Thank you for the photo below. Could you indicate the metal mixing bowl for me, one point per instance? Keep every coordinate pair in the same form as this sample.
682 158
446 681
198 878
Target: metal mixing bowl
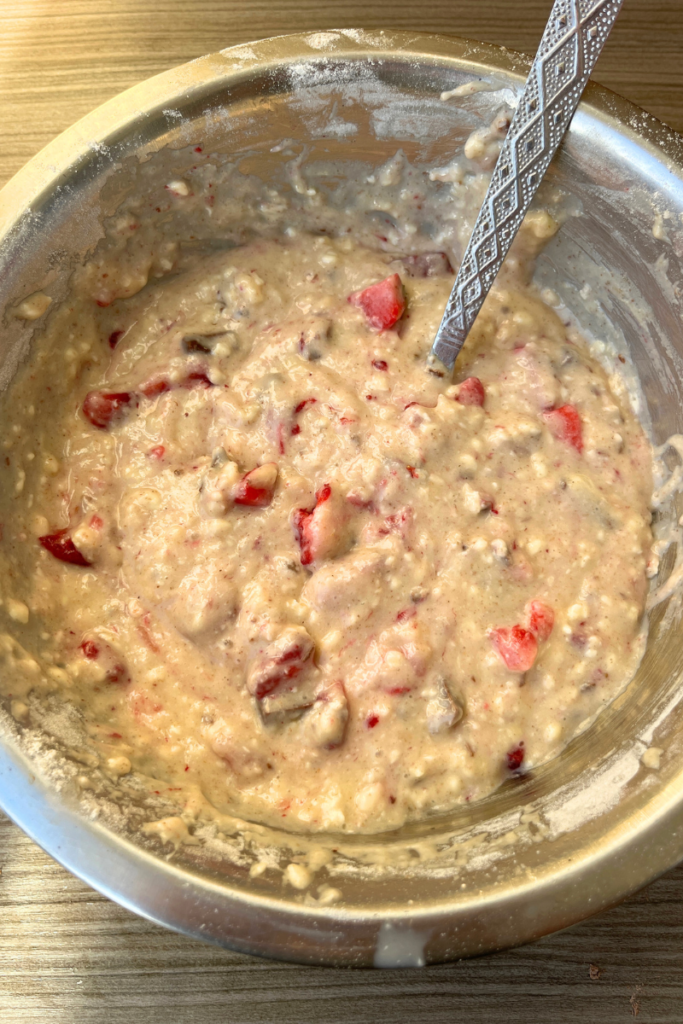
570 838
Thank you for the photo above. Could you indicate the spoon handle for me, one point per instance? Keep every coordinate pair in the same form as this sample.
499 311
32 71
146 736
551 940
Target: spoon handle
574 36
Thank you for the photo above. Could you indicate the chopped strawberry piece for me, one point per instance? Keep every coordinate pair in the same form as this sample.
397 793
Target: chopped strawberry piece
471 392
302 405
541 619
289 666
323 494
565 424
281 672
157 452
256 487
517 647
100 408
61 546
371 721
115 338
284 659
380 364
303 521
515 757
155 387
405 614
90 649
300 521
383 303
198 379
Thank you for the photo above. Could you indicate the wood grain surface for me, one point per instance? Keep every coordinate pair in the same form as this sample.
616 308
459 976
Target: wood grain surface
68 955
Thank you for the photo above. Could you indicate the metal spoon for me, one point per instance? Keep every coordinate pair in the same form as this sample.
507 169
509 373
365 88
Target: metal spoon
572 41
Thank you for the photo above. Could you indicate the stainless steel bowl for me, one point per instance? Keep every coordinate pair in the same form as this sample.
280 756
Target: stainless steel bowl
572 837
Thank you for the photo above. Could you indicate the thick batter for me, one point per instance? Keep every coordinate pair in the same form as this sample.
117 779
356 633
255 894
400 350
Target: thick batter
275 556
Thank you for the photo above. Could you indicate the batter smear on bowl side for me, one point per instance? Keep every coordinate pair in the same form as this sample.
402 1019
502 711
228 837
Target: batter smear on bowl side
283 561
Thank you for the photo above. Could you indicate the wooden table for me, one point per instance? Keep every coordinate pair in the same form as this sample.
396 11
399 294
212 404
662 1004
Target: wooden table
69 956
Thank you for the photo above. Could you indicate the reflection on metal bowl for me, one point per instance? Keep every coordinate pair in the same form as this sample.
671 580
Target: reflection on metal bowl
570 838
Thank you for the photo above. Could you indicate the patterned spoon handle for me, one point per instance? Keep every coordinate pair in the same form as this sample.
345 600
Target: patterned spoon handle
573 38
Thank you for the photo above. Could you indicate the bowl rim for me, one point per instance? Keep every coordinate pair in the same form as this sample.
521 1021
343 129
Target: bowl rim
192 903
86 136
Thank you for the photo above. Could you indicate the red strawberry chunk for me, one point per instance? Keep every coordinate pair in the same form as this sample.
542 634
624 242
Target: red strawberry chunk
256 487
158 385
383 303
515 757
61 546
100 407
152 388
197 379
302 405
406 614
303 521
283 668
115 338
90 649
541 619
283 660
471 392
300 521
565 424
517 647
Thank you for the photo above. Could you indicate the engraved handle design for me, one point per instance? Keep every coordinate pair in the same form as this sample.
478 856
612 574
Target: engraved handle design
573 38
